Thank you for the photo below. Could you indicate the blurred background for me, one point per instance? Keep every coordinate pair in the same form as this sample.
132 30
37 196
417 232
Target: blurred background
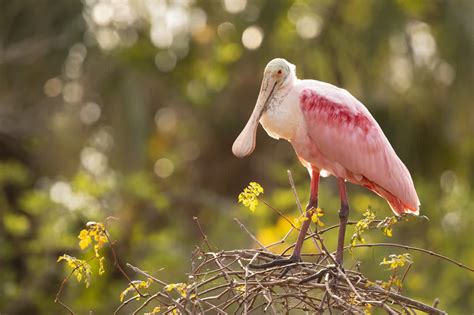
128 108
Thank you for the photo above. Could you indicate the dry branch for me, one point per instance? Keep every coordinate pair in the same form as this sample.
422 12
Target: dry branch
224 284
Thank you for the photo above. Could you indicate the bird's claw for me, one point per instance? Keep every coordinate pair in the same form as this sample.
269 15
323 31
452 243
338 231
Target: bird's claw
278 263
332 270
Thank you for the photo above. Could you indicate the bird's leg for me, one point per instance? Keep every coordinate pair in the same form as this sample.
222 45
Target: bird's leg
296 256
343 217
312 204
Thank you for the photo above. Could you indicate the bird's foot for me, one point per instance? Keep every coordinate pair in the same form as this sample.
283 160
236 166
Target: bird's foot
279 262
331 270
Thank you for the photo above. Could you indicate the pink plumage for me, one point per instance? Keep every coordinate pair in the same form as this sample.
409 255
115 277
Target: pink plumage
331 131
347 135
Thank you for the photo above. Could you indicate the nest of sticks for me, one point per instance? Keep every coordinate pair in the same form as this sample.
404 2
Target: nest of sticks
227 282
223 282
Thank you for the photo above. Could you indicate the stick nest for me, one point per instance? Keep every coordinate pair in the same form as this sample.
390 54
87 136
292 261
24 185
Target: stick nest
222 283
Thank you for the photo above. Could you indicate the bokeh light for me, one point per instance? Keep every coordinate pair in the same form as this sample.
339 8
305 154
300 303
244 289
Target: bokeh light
90 113
308 26
53 87
252 37
163 167
166 120
165 60
72 92
235 6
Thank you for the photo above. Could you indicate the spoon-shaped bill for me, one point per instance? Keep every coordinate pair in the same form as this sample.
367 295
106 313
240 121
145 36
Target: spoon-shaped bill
245 143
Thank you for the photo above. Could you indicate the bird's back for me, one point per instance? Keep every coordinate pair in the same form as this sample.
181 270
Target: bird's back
345 132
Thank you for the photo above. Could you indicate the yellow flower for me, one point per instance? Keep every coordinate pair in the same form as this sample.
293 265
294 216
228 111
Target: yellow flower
85 239
315 217
95 231
299 220
397 261
368 309
137 284
387 231
249 197
179 287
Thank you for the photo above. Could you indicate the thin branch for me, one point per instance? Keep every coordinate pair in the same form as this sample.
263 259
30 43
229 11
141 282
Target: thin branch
280 214
251 235
429 252
125 303
404 276
204 236
138 270
300 208
65 280
65 306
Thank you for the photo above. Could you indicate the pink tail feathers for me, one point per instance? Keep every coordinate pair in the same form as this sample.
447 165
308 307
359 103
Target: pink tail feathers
398 207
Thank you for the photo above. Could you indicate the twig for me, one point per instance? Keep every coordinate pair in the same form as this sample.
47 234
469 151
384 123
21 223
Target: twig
334 296
204 236
154 296
117 263
300 208
65 280
125 303
246 277
251 235
65 306
279 213
138 270
429 252
403 277
418 305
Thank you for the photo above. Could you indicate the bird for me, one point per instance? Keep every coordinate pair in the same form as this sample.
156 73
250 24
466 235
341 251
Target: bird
332 133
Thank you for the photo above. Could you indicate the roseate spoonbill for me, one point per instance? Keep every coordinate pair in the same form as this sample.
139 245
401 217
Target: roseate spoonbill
331 132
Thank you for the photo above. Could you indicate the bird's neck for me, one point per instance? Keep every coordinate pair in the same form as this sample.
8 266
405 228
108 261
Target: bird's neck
290 81
283 116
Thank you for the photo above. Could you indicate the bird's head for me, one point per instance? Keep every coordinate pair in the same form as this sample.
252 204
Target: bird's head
278 73
278 70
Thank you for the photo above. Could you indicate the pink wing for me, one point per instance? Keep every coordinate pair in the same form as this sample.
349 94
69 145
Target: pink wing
346 133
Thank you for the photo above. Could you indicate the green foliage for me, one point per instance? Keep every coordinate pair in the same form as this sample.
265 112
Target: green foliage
13 172
35 201
397 261
409 62
16 224
394 263
86 183
80 268
387 225
362 226
96 234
